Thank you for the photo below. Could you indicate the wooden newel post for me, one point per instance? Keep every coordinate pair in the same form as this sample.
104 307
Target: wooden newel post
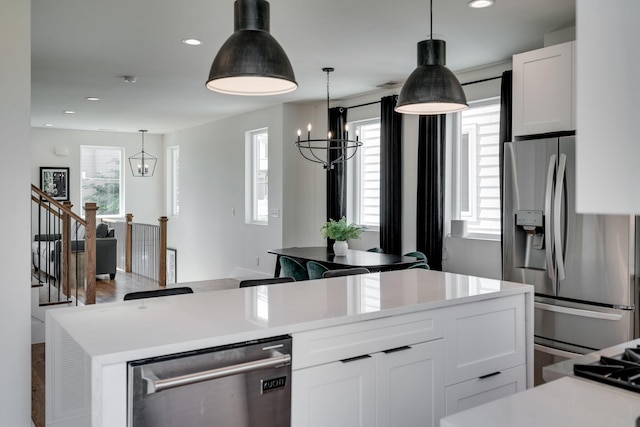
90 252
66 249
162 276
128 244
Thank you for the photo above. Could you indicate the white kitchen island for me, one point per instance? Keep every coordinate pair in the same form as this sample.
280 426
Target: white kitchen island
469 340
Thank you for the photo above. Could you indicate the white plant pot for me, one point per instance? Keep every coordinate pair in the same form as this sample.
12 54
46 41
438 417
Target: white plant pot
340 248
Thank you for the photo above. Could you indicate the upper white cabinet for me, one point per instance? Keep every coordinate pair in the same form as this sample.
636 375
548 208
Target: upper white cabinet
543 90
608 91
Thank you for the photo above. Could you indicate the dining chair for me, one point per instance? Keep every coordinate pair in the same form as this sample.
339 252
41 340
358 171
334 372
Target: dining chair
422 265
417 254
315 270
265 281
292 268
158 293
345 272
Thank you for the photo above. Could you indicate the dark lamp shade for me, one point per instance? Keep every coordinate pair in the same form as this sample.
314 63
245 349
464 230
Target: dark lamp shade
432 88
251 62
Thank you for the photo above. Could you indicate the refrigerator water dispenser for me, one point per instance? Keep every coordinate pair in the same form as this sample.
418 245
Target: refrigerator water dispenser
530 234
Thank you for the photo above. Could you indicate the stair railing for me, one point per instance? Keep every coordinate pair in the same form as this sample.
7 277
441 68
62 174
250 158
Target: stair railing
145 248
54 218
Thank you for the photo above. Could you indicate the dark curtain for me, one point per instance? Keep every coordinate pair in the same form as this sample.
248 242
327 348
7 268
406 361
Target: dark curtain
431 180
336 175
390 176
505 130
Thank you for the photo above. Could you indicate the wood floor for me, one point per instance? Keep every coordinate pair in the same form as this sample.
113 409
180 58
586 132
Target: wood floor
106 291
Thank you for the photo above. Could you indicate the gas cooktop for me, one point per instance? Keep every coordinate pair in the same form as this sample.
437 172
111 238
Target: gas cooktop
622 370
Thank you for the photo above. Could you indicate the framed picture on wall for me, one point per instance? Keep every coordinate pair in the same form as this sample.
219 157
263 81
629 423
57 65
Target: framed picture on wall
55 182
172 271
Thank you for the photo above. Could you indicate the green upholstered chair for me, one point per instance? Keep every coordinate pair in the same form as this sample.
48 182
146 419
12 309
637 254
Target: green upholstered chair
345 272
289 267
379 250
315 270
417 254
422 265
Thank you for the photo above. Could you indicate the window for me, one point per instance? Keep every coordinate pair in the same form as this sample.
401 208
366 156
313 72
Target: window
477 169
364 176
101 179
173 180
257 176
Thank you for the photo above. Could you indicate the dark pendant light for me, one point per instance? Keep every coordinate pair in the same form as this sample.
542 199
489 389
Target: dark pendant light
142 164
251 62
432 88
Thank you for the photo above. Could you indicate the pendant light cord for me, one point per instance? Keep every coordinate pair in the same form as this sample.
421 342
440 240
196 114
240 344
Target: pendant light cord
328 118
431 19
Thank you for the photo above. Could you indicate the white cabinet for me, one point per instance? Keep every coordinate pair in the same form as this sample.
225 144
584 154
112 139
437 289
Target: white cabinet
384 372
544 90
607 151
397 387
339 394
409 385
477 391
485 352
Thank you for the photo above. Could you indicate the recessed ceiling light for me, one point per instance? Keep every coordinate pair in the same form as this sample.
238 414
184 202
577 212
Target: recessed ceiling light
92 98
48 125
129 79
479 4
192 42
69 112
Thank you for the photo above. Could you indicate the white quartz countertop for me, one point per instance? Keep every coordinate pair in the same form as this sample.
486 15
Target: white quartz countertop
568 401
129 330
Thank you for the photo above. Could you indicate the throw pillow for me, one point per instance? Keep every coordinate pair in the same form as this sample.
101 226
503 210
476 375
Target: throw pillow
102 230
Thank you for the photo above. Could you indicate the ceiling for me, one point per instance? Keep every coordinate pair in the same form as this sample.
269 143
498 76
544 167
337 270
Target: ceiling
83 48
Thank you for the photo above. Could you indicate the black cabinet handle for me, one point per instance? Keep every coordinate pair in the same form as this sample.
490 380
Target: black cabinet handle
393 350
493 374
353 359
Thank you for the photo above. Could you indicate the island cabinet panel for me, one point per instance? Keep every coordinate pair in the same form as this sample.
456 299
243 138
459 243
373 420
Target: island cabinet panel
355 339
339 394
477 391
397 387
484 338
409 385
544 90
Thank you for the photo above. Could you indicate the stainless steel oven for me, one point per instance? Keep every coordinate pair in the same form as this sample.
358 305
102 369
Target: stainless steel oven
241 385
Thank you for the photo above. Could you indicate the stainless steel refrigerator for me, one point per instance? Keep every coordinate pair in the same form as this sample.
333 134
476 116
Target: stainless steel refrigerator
582 266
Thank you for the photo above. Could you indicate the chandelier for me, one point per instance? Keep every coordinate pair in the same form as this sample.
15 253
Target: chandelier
327 151
142 164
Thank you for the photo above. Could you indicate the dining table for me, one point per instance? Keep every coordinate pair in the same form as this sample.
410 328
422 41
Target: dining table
373 261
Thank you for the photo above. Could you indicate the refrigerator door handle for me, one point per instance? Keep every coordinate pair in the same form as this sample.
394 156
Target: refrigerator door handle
547 216
578 312
557 211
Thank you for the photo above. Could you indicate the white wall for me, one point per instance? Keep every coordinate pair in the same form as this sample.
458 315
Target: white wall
144 197
211 241
15 87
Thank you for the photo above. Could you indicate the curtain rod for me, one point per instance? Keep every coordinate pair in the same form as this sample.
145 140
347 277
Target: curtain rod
481 80
363 105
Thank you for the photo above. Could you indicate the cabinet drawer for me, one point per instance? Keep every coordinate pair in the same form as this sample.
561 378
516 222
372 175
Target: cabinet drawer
356 339
468 394
484 337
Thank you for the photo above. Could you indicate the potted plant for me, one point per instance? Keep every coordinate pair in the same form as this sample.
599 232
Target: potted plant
340 231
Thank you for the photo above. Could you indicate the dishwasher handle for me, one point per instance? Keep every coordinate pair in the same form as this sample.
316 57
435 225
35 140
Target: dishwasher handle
154 384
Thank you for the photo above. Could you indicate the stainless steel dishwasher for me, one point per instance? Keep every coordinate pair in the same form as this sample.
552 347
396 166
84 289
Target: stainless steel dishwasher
240 385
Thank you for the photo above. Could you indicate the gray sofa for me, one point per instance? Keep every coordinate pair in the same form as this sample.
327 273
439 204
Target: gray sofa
47 251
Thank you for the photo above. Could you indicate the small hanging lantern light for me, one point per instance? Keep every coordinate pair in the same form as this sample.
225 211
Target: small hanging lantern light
143 164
